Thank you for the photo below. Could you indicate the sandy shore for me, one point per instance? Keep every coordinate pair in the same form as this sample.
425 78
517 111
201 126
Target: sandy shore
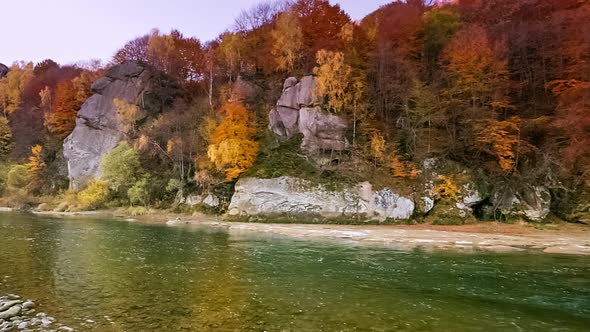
567 239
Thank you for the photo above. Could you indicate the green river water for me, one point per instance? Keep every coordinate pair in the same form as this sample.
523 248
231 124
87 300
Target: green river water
126 276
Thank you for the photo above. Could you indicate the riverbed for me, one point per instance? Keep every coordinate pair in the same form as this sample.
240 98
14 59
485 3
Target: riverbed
102 274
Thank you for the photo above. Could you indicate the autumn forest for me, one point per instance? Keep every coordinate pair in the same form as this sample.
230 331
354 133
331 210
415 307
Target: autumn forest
498 87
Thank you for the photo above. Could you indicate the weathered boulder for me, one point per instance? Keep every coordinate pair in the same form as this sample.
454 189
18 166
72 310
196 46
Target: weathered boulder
11 312
288 196
321 130
530 202
97 129
3 70
212 201
298 111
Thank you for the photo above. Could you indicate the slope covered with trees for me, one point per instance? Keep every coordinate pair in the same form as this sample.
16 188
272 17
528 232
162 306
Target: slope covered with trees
501 87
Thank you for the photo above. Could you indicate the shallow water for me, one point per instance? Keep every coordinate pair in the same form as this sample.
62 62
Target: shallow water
135 277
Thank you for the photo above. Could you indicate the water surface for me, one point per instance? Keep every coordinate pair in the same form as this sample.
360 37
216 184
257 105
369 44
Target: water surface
136 277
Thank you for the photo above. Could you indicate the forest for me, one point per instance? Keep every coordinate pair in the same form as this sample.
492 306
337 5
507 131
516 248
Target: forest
501 87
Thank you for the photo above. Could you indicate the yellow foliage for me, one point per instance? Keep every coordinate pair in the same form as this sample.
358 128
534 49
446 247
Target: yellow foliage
13 85
232 147
94 196
127 115
288 41
333 79
170 146
35 166
446 189
377 145
500 138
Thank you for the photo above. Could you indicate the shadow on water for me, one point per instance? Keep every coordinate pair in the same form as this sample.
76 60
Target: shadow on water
109 275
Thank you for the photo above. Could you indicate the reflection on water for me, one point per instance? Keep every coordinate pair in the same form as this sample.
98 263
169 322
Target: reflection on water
108 275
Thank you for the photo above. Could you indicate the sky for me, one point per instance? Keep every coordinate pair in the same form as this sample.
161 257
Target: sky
71 31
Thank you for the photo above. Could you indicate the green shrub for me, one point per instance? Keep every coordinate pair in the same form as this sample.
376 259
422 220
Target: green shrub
17 177
95 196
3 177
121 167
143 191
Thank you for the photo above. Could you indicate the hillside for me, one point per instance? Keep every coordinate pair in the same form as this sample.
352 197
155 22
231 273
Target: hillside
442 113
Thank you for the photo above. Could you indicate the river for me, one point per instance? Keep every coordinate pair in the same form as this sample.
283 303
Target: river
109 275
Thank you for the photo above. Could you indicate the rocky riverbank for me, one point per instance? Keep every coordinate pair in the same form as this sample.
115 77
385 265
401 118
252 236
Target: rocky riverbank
17 314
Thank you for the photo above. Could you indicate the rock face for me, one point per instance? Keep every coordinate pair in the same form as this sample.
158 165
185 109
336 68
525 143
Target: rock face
298 111
97 127
532 203
288 196
3 70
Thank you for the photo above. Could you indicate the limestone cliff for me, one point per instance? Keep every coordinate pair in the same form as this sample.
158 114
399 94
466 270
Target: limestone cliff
292 197
298 111
97 127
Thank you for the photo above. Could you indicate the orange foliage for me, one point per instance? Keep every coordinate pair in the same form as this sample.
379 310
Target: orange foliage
402 169
321 24
66 104
233 148
500 138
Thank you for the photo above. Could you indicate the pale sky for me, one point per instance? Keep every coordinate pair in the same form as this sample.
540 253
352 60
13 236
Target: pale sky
70 31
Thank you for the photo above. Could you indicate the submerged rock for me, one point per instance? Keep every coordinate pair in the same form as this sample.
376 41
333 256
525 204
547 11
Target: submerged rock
288 196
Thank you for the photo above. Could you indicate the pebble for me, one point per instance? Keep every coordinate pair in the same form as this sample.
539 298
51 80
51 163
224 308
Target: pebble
28 304
46 322
19 315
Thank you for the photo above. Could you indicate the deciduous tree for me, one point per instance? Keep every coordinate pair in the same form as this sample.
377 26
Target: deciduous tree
333 79
288 41
233 148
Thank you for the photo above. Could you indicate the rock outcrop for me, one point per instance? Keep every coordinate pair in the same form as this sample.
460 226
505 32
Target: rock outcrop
97 129
530 202
298 111
293 197
3 70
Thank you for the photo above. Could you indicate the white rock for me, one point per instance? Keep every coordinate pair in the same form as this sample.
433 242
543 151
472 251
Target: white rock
211 200
192 200
428 204
296 197
471 196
